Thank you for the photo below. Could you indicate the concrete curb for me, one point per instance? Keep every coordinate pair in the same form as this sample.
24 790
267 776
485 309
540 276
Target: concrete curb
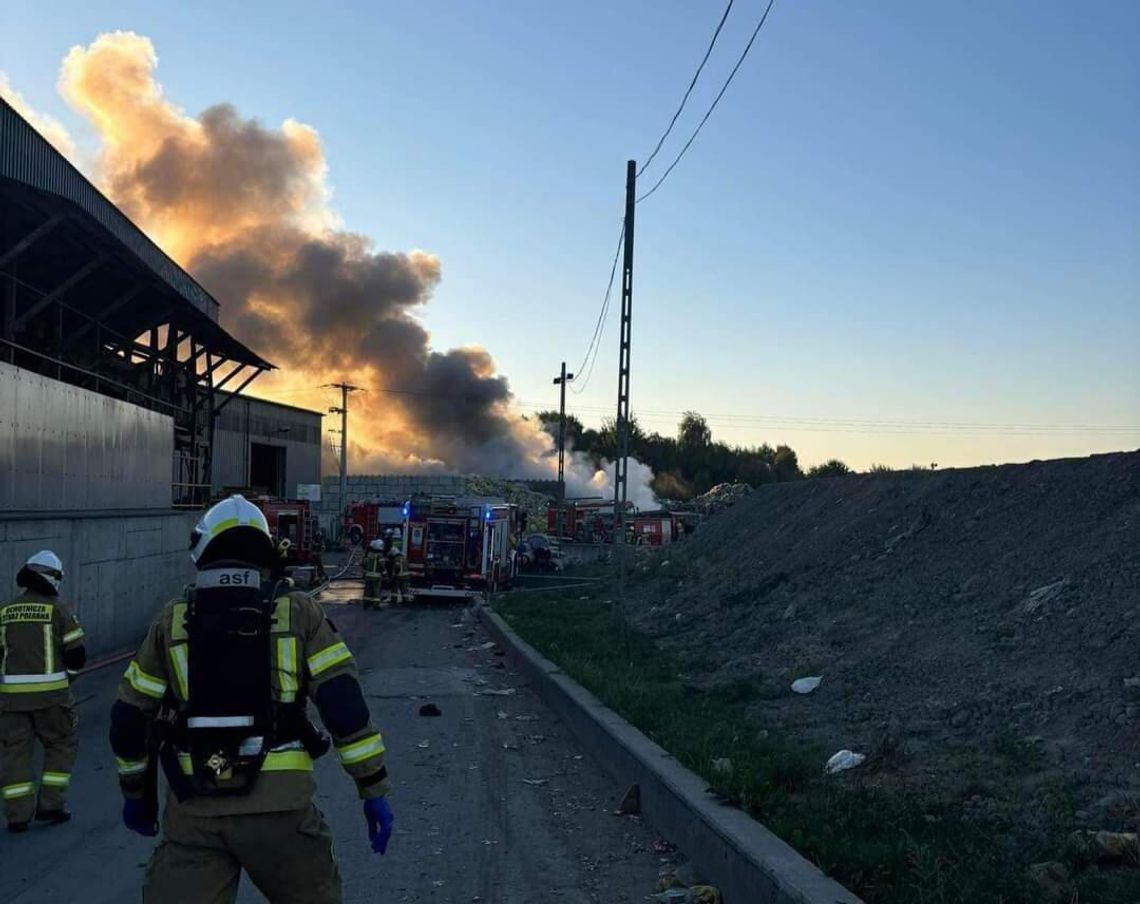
740 856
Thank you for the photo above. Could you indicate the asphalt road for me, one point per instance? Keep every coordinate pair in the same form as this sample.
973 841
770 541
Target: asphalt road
494 800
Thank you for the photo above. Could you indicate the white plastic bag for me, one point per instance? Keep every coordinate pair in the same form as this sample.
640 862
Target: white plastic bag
806 685
843 760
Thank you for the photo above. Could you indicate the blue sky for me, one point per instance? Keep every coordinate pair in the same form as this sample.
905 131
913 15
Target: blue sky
900 211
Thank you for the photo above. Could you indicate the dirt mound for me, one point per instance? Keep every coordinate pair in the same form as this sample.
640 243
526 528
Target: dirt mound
957 617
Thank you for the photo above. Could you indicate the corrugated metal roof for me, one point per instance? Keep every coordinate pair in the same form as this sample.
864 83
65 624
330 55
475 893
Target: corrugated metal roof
27 157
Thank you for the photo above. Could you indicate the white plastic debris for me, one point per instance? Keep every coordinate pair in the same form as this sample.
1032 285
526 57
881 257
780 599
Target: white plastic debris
423 745
807 685
843 760
496 692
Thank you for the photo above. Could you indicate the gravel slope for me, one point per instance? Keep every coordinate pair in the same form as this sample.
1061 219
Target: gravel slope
955 616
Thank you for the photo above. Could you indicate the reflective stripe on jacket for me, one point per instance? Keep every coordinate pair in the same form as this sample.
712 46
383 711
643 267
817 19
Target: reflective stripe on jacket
306 653
35 630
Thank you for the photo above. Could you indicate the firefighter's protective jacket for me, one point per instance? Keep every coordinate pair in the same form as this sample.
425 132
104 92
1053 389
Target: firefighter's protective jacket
309 660
40 637
373 564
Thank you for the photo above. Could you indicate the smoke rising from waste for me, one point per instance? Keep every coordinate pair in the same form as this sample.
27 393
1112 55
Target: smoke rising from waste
246 209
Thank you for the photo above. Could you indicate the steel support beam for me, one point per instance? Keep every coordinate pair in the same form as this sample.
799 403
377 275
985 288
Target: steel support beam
257 372
55 294
27 241
216 387
98 319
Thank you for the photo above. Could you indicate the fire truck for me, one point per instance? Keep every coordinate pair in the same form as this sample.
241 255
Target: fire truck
367 521
459 546
586 520
657 528
295 528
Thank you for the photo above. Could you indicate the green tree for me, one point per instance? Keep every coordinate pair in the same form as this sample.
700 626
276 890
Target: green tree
833 467
608 436
693 432
785 464
574 427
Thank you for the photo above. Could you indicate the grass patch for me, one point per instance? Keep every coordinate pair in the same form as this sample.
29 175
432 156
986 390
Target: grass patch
888 846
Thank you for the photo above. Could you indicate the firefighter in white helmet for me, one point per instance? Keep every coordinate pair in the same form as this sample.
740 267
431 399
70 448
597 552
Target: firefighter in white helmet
221 681
43 648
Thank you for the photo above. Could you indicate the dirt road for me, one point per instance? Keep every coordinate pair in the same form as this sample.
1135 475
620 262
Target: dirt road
494 801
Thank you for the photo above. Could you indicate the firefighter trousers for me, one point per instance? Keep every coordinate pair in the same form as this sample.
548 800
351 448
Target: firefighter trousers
54 727
373 584
288 856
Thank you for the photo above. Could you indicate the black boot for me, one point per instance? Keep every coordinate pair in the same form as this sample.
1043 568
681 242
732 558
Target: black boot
17 827
53 817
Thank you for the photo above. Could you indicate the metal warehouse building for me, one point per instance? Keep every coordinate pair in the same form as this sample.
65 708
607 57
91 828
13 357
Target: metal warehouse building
266 447
114 378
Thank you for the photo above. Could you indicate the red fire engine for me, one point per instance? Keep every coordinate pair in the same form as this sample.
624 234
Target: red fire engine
587 520
295 523
459 546
657 528
367 521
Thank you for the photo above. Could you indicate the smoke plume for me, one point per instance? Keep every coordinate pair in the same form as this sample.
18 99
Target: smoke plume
246 209
50 127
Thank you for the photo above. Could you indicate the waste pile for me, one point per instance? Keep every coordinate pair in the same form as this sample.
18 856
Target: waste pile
530 502
720 497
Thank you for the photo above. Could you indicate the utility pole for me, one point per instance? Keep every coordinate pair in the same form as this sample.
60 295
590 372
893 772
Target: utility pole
621 464
345 389
561 382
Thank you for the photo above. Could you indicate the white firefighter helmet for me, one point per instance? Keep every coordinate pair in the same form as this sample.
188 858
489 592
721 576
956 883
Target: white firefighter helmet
376 545
47 565
233 530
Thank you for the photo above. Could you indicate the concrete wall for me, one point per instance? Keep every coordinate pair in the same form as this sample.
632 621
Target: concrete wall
119 567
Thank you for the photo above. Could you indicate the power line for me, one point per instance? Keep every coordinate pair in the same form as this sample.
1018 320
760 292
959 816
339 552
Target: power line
701 124
586 369
688 91
596 340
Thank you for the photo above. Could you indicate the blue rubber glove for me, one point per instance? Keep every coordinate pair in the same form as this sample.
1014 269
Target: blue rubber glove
380 819
138 818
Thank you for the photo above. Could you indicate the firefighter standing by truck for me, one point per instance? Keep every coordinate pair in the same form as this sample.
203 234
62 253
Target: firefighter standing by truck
217 692
42 648
374 566
396 566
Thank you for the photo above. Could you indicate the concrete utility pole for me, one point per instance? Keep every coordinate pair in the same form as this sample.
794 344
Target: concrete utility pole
621 464
561 382
345 389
